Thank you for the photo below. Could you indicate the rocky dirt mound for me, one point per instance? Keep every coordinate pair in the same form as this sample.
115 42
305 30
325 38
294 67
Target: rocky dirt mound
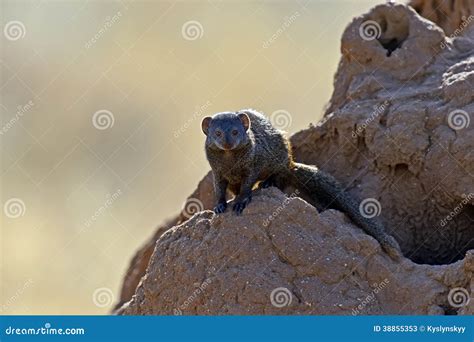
398 129
396 133
282 257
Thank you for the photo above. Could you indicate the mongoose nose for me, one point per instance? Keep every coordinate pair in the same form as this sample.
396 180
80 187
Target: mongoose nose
227 146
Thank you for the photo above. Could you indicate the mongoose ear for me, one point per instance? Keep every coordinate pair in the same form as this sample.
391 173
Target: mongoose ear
205 124
245 120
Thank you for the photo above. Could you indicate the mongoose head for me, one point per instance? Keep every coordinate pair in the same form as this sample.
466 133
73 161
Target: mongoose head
226 131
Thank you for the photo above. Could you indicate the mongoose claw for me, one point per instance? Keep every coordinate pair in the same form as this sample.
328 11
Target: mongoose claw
239 206
220 207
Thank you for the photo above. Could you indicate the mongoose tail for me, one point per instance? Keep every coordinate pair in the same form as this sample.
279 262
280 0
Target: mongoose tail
325 192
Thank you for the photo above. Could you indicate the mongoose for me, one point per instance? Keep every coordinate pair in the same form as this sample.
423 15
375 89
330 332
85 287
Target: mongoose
243 149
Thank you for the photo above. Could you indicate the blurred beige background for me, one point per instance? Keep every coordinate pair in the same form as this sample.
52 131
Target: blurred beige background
81 192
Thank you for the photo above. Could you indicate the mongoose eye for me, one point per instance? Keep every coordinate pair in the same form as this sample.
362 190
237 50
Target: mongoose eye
235 132
218 133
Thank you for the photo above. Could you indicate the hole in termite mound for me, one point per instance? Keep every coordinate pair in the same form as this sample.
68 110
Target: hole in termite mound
391 31
449 240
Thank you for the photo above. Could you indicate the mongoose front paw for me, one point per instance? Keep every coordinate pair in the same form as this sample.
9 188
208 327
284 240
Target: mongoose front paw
240 205
220 207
